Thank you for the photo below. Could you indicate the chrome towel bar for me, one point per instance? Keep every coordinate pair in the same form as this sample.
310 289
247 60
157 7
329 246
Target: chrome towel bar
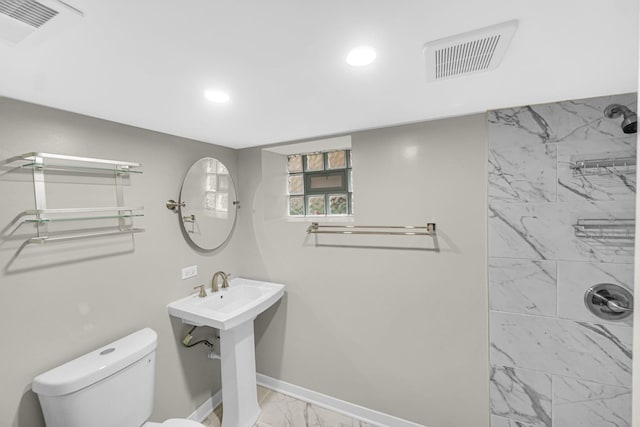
429 229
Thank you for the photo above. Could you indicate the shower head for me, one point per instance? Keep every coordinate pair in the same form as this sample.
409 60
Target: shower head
630 121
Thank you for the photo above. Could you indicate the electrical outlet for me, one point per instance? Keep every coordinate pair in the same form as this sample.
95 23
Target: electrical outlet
190 271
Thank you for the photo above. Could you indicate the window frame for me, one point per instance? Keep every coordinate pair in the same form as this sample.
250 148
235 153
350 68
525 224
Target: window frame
309 176
345 189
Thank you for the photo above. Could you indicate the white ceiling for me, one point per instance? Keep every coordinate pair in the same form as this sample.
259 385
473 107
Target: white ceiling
146 63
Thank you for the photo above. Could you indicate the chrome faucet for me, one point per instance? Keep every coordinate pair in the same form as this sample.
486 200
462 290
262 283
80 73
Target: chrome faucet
214 281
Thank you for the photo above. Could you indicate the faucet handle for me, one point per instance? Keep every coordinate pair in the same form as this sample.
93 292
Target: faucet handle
202 293
225 280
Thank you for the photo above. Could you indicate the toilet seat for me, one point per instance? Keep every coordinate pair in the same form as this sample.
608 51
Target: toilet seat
174 422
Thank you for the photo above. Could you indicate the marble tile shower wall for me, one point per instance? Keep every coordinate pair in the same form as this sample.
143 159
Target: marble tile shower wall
553 363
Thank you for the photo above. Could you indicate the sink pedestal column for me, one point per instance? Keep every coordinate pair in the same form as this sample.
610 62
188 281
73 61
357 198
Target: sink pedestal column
238 366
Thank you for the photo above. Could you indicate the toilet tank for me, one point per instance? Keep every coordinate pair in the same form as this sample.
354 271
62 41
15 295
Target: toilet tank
111 386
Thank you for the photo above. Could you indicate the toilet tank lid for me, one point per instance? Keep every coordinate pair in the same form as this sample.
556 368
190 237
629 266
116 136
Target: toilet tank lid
97 365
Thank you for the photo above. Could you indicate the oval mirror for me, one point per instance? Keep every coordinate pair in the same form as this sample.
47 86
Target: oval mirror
207 205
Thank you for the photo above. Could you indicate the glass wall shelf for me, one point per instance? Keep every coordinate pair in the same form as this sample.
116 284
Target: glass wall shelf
79 169
123 212
45 239
82 218
92 165
81 210
42 216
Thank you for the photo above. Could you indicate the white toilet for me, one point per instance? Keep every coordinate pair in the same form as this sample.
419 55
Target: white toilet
109 387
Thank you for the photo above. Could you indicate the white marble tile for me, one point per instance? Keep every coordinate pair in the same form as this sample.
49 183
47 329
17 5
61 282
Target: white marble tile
279 410
263 392
518 125
588 404
215 418
533 217
596 352
547 231
505 422
520 395
523 173
522 286
556 122
597 184
523 230
574 278
318 416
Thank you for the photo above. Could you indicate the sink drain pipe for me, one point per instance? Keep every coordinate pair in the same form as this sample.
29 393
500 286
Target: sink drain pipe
187 340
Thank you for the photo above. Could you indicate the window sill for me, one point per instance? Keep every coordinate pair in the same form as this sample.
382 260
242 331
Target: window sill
330 219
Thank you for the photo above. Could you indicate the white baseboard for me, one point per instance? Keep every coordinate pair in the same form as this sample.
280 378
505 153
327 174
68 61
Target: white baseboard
336 405
206 408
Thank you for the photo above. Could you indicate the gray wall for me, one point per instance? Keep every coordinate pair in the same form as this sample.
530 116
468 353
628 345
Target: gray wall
391 325
553 362
387 323
58 301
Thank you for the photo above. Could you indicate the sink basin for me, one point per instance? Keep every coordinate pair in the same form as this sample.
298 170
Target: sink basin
242 301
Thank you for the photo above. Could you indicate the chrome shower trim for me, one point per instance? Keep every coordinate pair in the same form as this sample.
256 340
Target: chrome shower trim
630 121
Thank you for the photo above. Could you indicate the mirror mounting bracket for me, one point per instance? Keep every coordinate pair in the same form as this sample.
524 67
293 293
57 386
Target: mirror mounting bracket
172 205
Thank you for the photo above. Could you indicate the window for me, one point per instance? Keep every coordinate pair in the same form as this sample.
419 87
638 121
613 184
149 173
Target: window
320 184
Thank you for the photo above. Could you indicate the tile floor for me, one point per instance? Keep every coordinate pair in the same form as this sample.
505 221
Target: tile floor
279 410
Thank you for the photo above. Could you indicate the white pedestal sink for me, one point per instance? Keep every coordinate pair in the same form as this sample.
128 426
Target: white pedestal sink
232 311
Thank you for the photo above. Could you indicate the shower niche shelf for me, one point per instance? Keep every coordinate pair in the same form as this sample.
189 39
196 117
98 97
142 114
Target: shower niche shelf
42 216
605 228
606 164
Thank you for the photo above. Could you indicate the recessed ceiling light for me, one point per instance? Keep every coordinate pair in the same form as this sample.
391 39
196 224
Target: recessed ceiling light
216 95
361 56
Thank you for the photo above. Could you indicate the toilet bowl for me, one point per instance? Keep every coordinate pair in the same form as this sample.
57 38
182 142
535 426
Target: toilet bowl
111 386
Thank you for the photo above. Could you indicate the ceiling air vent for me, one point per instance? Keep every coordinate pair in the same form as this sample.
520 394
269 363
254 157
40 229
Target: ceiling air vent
28 11
468 53
20 18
